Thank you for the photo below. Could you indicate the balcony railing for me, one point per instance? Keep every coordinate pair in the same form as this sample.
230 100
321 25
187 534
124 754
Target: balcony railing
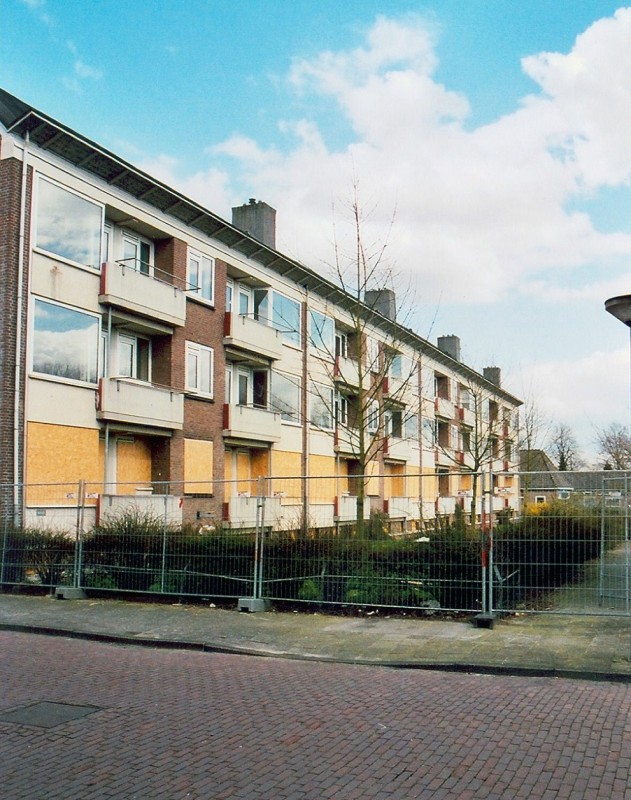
148 293
252 423
245 333
347 440
444 408
134 402
346 371
397 449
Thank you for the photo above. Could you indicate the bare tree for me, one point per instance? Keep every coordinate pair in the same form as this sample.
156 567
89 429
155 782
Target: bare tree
614 444
480 436
563 448
375 395
534 431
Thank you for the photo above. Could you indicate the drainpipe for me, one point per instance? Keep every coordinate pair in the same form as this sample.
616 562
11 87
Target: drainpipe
17 410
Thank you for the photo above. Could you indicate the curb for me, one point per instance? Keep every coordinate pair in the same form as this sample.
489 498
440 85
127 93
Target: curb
207 647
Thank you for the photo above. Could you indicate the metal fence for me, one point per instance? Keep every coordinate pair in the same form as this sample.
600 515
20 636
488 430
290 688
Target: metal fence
558 543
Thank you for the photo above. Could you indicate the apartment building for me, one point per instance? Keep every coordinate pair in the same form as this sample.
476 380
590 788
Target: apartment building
150 348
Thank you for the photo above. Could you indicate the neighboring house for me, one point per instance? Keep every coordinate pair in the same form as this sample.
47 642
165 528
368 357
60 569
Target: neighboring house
541 482
146 344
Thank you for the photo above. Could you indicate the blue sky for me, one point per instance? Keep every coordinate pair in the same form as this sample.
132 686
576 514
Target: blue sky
496 134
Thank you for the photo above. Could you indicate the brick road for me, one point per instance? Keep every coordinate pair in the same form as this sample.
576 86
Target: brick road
176 724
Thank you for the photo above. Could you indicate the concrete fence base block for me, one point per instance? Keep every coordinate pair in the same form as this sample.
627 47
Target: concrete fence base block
70 593
484 620
253 604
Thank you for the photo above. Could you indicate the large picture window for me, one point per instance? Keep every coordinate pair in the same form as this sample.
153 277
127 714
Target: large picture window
321 406
201 276
286 396
65 342
322 333
68 225
286 318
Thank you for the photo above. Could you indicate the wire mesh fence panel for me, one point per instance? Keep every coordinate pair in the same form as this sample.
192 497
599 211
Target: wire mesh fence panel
325 547
568 550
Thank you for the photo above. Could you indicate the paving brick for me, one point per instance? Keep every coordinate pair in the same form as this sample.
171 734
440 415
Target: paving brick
185 725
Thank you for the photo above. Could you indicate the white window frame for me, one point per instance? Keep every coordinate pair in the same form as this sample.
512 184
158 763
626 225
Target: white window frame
322 394
36 219
133 338
192 387
194 287
372 417
145 268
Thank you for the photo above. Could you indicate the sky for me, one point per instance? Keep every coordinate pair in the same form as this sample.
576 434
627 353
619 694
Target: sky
488 143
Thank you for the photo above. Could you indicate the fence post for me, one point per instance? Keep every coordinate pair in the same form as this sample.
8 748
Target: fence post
256 602
489 542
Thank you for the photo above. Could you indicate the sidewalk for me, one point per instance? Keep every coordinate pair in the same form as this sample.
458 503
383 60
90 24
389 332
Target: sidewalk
597 647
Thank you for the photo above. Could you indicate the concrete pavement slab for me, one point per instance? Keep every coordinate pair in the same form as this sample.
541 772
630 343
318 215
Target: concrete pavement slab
598 646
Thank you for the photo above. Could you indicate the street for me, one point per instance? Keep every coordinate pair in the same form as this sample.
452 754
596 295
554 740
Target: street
160 724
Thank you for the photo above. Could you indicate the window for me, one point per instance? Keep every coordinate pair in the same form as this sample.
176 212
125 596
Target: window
134 357
137 253
245 300
261 306
321 333
199 369
68 225
372 354
466 439
341 345
285 397
321 406
429 433
441 386
411 426
341 410
65 342
250 387
229 292
396 366
286 318
394 423
372 417
466 400
201 276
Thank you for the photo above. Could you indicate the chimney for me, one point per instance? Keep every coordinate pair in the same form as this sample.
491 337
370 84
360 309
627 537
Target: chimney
493 375
258 219
450 345
383 301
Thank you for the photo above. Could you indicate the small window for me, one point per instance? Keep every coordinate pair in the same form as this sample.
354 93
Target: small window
65 342
199 369
68 225
341 345
137 253
394 423
372 417
229 293
244 299
429 432
372 354
341 410
201 276
134 357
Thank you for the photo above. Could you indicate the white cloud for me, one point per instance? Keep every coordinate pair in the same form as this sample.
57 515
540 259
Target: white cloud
587 393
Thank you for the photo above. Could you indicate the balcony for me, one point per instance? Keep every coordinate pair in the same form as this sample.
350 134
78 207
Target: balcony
140 293
253 424
347 440
346 371
444 408
133 402
404 508
396 449
346 508
244 333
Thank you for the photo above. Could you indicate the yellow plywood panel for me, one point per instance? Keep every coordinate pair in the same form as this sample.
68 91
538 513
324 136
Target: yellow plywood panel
395 480
466 483
244 472
58 454
198 466
323 486
372 483
285 473
133 465
260 463
429 487
227 465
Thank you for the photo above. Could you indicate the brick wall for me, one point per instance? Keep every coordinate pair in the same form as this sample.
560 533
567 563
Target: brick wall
10 204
